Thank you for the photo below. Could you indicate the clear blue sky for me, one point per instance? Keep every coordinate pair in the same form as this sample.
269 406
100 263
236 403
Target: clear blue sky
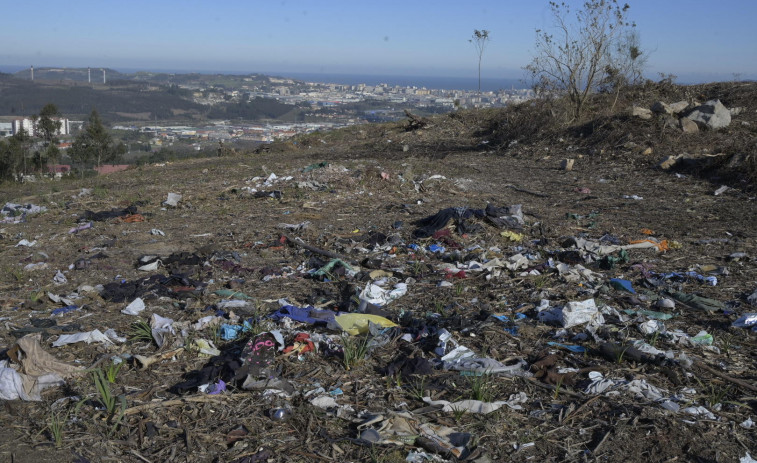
694 39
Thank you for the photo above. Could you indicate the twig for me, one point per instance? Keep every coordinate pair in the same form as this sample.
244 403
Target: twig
134 452
170 403
550 387
310 248
715 372
581 407
596 449
523 190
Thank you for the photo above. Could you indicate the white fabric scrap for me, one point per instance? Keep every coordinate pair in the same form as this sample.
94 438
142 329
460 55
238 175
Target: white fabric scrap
89 337
376 295
578 313
136 306
477 406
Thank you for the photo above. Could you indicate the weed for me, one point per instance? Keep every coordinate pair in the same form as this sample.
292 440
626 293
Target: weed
458 413
713 393
417 388
653 338
481 387
726 342
111 402
216 336
19 275
418 268
354 350
620 355
55 424
459 288
558 386
99 192
540 281
141 331
111 373
37 296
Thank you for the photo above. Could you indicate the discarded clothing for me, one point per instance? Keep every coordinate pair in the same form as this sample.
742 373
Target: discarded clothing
106 215
309 315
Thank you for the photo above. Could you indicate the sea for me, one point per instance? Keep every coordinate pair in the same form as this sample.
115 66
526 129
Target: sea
429 82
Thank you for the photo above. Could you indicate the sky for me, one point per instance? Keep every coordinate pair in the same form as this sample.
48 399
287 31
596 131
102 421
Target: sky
696 40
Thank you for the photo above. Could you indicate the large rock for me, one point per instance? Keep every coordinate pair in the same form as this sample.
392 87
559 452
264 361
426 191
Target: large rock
678 106
711 115
642 113
688 126
661 108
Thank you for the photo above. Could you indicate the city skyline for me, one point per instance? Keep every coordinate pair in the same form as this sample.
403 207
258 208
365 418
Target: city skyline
689 39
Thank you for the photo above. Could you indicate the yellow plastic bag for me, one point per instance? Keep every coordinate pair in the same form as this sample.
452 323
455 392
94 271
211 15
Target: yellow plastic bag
357 323
512 236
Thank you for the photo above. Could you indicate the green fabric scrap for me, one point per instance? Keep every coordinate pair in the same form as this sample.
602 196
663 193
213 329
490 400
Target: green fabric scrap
317 165
698 302
326 269
228 293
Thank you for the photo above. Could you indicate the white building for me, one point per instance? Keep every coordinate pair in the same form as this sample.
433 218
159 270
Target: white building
31 127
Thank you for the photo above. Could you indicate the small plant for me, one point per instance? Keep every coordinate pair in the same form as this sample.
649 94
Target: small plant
417 388
111 373
620 355
540 281
354 350
37 296
481 387
55 424
653 338
100 192
111 403
713 393
141 331
458 413
727 342
459 288
558 386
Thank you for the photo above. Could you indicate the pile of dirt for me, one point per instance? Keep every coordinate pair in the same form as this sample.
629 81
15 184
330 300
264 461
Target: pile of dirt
520 311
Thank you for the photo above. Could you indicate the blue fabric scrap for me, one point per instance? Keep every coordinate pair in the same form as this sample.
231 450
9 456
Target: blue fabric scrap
66 309
576 349
309 315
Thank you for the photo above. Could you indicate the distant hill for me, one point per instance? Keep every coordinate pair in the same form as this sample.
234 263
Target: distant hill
117 100
143 95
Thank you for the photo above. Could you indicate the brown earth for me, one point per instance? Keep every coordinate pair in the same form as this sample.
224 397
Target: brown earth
378 176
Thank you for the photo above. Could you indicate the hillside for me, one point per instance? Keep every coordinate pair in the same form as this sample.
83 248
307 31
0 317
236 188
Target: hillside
127 98
496 355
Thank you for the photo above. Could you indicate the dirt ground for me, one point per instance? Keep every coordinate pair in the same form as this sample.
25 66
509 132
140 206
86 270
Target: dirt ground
362 207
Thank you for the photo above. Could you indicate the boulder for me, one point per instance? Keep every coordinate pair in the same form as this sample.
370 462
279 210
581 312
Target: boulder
661 108
687 125
642 113
679 106
711 115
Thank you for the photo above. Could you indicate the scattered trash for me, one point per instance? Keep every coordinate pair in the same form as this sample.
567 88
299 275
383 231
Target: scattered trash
172 200
135 307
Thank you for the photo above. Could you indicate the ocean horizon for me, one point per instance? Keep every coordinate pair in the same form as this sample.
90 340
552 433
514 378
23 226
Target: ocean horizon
434 82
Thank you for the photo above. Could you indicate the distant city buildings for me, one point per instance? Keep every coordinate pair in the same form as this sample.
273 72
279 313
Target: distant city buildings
30 126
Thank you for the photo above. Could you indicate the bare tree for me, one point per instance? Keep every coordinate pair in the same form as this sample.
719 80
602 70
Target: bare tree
575 59
479 39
